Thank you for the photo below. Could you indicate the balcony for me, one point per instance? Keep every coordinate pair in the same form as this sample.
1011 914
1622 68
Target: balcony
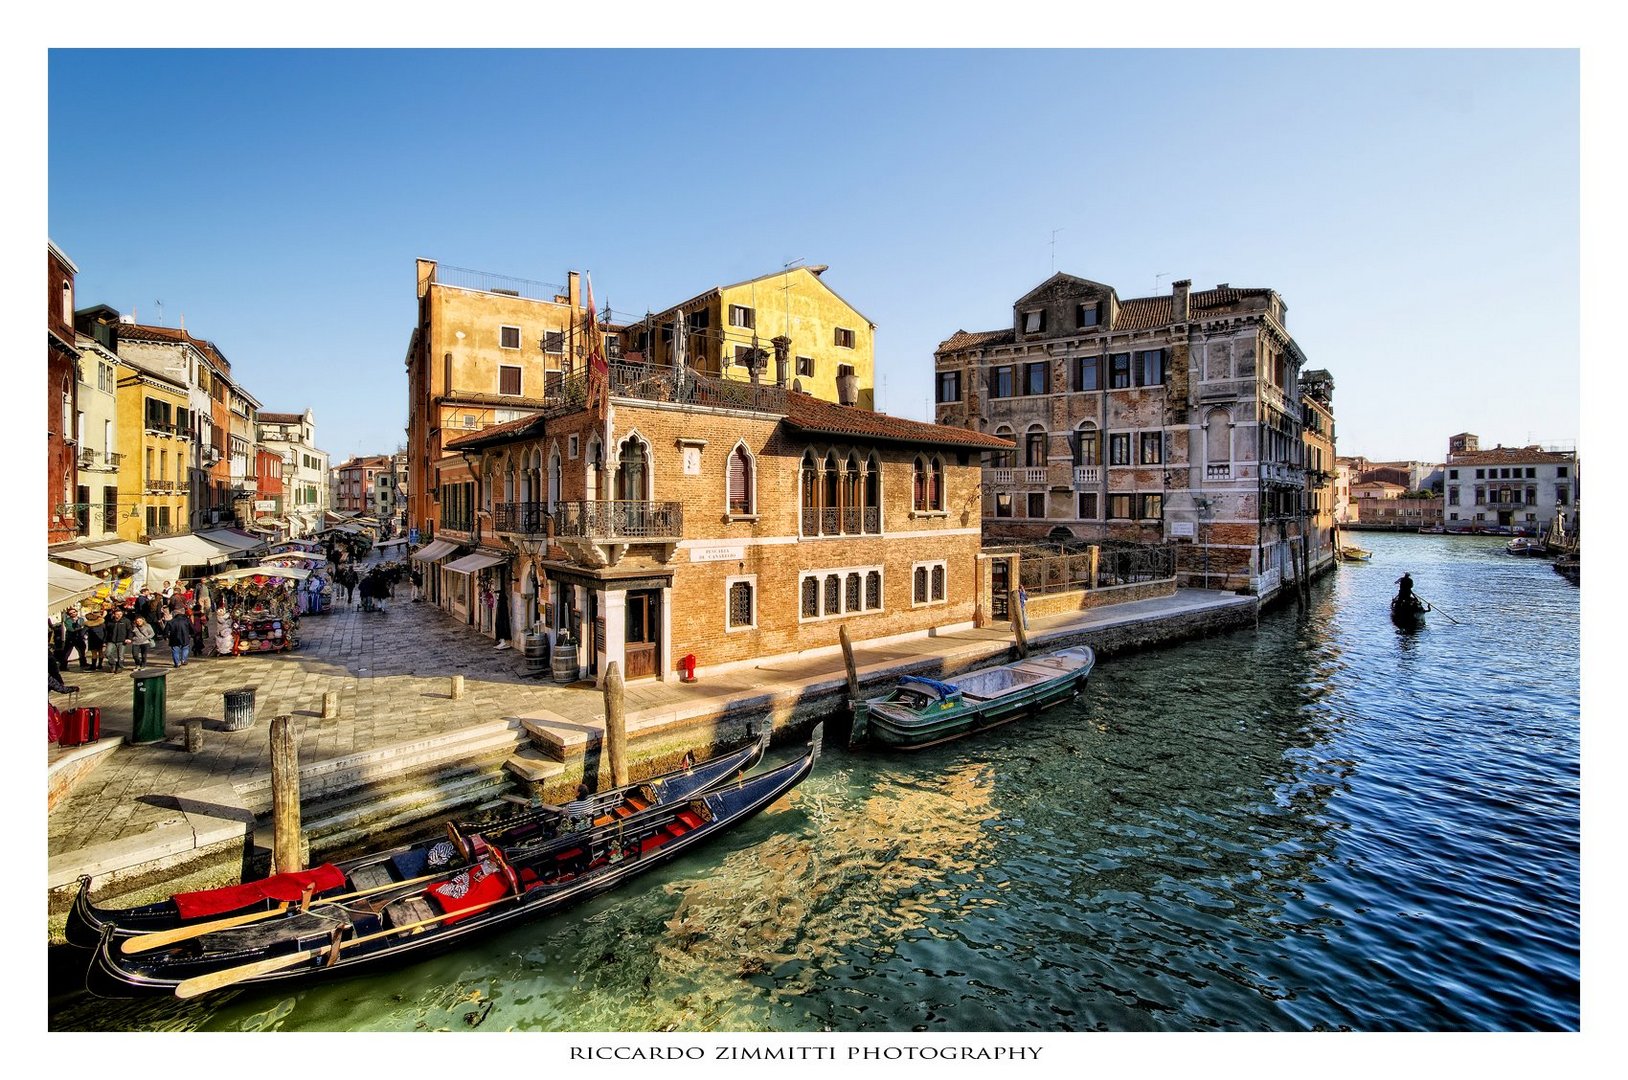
522 518
849 521
87 459
1087 476
1022 476
599 533
1282 472
1218 471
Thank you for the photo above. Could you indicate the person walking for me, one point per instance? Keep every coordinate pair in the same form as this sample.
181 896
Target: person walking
73 638
95 638
178 632
141 637
117 632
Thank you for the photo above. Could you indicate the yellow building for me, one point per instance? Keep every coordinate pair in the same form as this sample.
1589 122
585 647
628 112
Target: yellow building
154 447
790 318
486 349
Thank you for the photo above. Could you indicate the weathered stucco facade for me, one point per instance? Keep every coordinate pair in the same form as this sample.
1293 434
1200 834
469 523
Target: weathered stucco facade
1156 419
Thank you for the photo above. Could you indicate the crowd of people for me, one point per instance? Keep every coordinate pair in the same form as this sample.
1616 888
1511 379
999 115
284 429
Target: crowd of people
107 637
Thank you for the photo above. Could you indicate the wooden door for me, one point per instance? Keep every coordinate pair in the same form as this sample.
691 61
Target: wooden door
643 633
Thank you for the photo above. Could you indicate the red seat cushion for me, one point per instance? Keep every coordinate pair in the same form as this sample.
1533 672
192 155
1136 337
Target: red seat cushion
473 887
288 887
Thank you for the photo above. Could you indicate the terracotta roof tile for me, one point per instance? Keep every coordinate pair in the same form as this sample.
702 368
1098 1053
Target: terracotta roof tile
172 335
1135 313
509 429
1510 455
280 418
963 339
808 413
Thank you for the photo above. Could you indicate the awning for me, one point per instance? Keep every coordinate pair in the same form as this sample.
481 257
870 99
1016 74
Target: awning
187 550
65 585
128 550
471 563
435 549
88 557
296 556
390 543
233 540
262 571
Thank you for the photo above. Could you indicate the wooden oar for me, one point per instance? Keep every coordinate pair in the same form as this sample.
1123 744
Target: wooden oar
215 980
1438 611
157 939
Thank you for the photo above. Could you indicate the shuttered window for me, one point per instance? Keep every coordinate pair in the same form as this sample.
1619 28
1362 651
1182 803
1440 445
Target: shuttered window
508 380
740 482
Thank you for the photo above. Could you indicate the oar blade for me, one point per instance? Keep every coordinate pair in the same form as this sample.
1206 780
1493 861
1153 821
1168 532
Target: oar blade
160 938
216 980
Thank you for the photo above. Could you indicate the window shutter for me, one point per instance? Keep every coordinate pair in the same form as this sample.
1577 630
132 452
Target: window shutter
738 501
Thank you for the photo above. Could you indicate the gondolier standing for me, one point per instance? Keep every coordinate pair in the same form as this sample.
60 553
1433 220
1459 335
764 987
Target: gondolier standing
1404 592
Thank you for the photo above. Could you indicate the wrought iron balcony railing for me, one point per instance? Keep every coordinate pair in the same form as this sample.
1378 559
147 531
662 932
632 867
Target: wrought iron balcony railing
523 518
619 520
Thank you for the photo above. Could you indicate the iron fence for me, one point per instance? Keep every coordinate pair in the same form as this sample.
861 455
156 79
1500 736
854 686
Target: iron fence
684 386
525 518
611 520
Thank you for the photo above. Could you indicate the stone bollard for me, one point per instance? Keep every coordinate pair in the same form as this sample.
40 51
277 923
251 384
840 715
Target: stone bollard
194 728
330 704
457 690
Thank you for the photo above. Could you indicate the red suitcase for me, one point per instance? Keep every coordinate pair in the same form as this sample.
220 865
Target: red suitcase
80 726
53 723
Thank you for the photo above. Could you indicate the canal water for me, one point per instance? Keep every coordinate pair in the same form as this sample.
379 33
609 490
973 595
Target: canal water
1325 823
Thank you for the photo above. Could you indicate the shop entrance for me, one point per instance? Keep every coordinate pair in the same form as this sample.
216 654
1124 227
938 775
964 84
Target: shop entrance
643 633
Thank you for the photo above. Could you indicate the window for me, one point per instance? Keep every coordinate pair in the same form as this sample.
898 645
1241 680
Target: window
1037 504
1119 506
1000 382
1088 373
1152 505
1119 371
742 316
949 386
1150 367
927 583
740 481
1088 505
844 338
811 598
1034 322
1561 495
750 358
1531 474
1561 472
1452 496
1086 315
928 489
873 590
805 366
1003 504
1119 448
1086 447
1152 449
1037 378
1452 474
833 594
553 342
1034 449
851 593
1480 474
742 603
508 337
571 447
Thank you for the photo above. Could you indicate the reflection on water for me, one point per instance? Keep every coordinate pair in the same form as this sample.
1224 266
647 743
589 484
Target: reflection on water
1323 823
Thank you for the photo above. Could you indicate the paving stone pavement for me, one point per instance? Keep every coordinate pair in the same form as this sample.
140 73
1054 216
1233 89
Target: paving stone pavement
392 671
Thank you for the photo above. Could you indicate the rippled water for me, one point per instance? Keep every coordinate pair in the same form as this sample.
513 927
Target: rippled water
1326 823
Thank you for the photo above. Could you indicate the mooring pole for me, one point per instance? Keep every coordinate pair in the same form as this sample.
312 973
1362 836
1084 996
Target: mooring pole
848 662
285 795
1014 607
615 725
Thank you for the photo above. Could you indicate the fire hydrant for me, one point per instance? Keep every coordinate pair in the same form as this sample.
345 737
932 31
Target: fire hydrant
687 668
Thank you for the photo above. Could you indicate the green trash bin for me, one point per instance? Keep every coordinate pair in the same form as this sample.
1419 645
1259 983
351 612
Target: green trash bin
148 723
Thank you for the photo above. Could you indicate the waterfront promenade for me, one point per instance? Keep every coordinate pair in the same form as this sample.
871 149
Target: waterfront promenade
391 672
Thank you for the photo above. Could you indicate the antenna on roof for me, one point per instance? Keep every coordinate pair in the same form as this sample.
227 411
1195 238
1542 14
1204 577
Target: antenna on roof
160 305
1054 233
1156 278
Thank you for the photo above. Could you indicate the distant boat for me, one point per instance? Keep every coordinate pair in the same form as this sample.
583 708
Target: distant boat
924 712
1525 545
1355 554
1434 530
1409 614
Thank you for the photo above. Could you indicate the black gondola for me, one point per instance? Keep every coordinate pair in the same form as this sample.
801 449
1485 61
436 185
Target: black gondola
382 869
1409 614
500 889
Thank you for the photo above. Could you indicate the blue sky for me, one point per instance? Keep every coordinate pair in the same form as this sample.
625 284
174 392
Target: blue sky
1417 209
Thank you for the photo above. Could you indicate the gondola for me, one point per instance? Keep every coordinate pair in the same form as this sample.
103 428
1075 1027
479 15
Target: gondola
1409 614
501 888
925 712
272 897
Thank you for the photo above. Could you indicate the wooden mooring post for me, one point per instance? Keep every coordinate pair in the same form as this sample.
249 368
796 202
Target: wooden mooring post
615 724
1020 629
848 663
285 795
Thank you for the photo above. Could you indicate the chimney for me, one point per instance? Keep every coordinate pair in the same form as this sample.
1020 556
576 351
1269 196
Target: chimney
573 289
1178 299
782 351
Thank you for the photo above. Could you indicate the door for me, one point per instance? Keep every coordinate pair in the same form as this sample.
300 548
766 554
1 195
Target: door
1000 586
643 633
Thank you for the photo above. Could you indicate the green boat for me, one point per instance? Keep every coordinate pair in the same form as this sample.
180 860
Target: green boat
921 712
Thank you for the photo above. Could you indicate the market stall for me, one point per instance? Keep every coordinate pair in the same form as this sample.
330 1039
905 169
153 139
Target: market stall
316 593
259 607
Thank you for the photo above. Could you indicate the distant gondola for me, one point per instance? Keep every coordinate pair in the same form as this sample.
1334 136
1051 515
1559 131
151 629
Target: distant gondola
498 889
274 896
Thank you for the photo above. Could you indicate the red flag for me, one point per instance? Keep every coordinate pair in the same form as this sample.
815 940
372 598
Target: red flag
598 371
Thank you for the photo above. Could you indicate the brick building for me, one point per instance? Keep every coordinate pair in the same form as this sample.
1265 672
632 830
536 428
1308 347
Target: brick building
61 398
1152 419
716 519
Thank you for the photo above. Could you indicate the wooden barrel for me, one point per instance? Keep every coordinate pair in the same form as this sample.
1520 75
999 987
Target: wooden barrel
536 646
565 661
